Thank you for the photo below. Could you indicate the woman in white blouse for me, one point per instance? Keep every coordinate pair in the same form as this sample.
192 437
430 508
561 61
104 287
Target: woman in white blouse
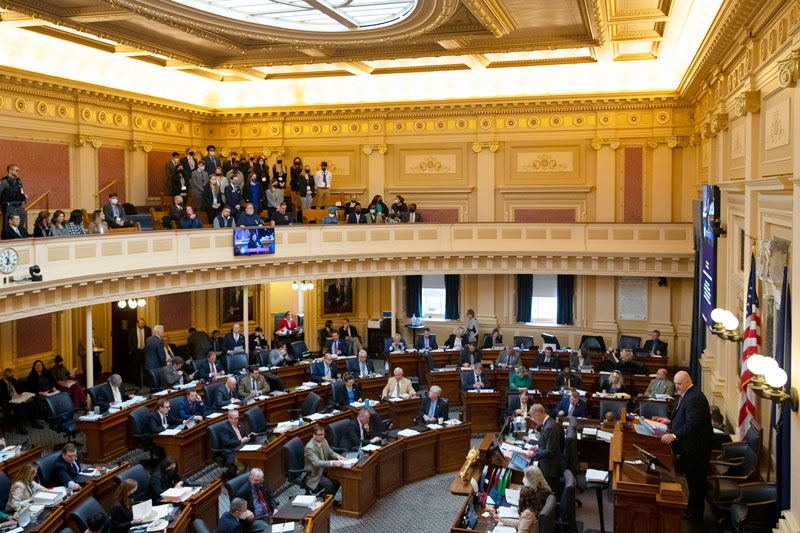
23 488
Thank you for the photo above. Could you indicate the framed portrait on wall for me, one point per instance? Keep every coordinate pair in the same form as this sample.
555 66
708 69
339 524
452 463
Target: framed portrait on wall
231 304
337 296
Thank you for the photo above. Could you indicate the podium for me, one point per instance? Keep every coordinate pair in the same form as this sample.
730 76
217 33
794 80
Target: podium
480 409
644 502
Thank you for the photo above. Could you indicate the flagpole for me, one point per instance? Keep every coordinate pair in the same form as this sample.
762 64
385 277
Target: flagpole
769 452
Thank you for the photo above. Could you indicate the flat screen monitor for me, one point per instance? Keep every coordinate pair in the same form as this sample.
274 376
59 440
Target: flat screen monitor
710 221
253 241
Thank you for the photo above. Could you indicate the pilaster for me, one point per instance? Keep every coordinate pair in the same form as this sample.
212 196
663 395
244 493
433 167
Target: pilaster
84 175
136 184
606 178
485 189
376 165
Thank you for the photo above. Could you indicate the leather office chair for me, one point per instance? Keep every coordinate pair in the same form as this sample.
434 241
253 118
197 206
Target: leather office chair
199 526
312 404
755 509
45 465
210 394
139 419
174 406
237 487
84 511
61 415
523 342
337 432
294 457
550 339
93 394
257 423
629 342
339 398
615 406
567 507
153 378
381 425
142 478
594 343
651 409
736 465
276 383
5 489
547 516
235 363
298 350
218 453
67 530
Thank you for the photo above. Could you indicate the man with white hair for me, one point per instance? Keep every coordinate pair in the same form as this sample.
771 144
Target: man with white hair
111 393
398 386
232 520
433 407
154 354
260 501
660 384
228 394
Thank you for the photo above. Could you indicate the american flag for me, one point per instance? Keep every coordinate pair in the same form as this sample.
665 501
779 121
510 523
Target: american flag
752 344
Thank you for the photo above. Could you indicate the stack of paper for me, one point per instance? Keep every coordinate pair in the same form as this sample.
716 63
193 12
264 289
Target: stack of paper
286 527
370 448
22 398
160 393
309 384
597 476
48 497
508 512
407 433
173 431
512 496
604 435
316 416
250 448
177 494
304 501
230 406
144 511
663 397
213 415
396 399
504 529
435 426
452 422
590 432
348 463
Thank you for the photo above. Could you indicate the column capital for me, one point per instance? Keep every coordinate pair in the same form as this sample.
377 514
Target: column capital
671 141
267 150
719 122
144 146
81 140
381 149
611 143
493 146
748 102
789 69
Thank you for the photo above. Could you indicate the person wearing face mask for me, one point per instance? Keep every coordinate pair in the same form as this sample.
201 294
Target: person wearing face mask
377 208
236 170
400 208
211 160
212 196
413 216
254 192
332 218
273 197
279 174
305 188
262 170
197 183
356 216
227 165
165 477
115 215
189 164
351 205
233 193
323 179
174 172
294 174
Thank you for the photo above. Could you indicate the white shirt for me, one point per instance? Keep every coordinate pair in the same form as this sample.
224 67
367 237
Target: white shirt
117 395
140 338
323 178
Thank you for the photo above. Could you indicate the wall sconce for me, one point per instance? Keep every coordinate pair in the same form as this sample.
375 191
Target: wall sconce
726 325
133 303
302 286
769 379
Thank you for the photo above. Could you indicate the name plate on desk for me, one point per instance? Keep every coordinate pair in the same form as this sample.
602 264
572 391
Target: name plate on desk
481 391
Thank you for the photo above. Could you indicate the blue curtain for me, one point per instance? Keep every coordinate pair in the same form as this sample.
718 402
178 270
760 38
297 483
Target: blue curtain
413 296
452 288
524 295
782 421
565 292
698 339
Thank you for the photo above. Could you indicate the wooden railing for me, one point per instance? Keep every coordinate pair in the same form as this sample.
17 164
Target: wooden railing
46 196
101 191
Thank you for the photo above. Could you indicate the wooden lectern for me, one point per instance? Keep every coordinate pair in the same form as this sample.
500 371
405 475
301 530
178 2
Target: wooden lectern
645 501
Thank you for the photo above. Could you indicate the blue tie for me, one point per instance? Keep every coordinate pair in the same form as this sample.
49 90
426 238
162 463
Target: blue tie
433 409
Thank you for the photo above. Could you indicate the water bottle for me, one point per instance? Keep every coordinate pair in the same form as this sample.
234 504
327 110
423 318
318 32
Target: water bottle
413 319
366 402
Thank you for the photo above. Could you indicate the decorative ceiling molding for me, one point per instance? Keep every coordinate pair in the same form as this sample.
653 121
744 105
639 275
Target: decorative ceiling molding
493 15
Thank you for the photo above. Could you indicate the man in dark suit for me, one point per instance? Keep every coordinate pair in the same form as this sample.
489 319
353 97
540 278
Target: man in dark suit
548 451
356 217
233 339
567 380
189 164
572 405
198 344
361 367
209 369
474 380
350 334
547 359
115 215
230 521
137 336
470 355
260 500
426 341
111 392
337 346
154 354
216 342
692 438
211 160
412 216
159 419
360 432
655 346
14 229
191 407
228 394
232 437
336 294
325 370
433 407
66 468
174 172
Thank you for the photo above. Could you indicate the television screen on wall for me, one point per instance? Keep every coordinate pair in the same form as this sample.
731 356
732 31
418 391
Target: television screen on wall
253 241
711 223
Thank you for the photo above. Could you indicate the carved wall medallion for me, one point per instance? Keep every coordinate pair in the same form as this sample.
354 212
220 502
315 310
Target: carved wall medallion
41 108
534 122
605 119
102 117
86 114
152 123
511 123
20 105
419 125
297 129
461 124
316 129
633 119
375 127
354 127
556 121
662 117
485 123
440 124
335 128
578 120
118 119
274 129
138 121
61 111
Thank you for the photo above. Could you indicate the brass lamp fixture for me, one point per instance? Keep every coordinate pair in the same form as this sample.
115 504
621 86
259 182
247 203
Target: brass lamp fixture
726 325
769 379
302 286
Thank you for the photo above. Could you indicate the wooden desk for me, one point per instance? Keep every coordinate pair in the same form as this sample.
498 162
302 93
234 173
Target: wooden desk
390 467
641 506
371 388
293 376
49 521
358 486
276 408
450 383
307 429
12 465
205 504
105 487
107 437
480 409
189 447
182 521
452 446
404 412
410 362
320 520
269 458
419 457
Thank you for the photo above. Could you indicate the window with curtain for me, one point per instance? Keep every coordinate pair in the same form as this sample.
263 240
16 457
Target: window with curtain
434 296
544 299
